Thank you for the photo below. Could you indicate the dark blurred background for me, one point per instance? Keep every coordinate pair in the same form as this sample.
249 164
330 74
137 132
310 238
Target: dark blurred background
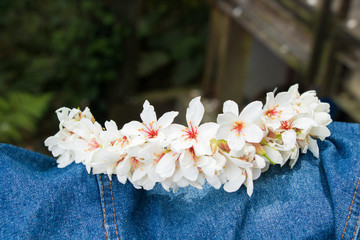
112 55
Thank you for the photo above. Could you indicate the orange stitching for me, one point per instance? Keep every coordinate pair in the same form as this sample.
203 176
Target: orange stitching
357 223
112 197
103 205
347 220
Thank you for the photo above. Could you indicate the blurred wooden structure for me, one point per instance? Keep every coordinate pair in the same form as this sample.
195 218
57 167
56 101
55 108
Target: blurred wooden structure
318 39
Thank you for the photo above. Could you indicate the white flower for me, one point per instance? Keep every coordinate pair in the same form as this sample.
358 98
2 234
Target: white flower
193 136
237 129
212 167
277 109
150 128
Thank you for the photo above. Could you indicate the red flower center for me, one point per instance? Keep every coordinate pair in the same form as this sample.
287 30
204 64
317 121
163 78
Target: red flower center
273 113
150 131
190 132
286 125
238 127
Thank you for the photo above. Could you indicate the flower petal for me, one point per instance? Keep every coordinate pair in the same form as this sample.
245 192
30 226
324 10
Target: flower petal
320 132
195 112
236 143
148 114
313 147
227 118
173 131
202 147
132 128
251 112
304 123
208 130
123 167
214 181
166 166
166 119
253 133
231 106
249 182
274 155
224 131
138 174
235 184
188 167
289 139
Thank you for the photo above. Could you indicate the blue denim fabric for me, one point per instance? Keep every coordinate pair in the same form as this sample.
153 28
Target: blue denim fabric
317 199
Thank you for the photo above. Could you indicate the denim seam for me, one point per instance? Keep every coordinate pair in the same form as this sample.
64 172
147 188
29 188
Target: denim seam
113 205
357 223
103 205
351 208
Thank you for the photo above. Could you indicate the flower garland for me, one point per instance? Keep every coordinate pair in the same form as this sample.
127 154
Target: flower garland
232 152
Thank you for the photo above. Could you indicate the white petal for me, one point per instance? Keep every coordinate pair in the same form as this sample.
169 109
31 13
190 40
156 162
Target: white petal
224 131
227 118
138 174
202 147
322 118
190 173
186 159
282 98
251 112
121 179
123 167
64 160
323 107
231 171
249 182
240 163
132 128
304 123
173 131
274 155
236 143
195 112
260 162
149 184
183 182
148 114
320 132
208 130
166 166
270 101
289 139
253 133
313 147
166 119
235 184
256 172
111 126
188 167
180 145
214 181
150 151
153 176
231 106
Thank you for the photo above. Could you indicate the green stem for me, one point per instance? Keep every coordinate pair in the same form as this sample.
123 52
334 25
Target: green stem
269 159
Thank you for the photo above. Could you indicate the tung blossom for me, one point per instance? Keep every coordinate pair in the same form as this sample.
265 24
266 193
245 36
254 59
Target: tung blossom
237 128
194 136
151 128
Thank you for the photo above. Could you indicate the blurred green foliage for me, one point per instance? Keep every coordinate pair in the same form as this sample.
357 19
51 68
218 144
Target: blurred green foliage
19 113
76 50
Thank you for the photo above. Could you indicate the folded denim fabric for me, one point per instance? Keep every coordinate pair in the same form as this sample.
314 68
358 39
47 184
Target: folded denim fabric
317 199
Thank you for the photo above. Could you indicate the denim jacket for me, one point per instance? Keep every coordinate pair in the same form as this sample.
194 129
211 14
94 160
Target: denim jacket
317 199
